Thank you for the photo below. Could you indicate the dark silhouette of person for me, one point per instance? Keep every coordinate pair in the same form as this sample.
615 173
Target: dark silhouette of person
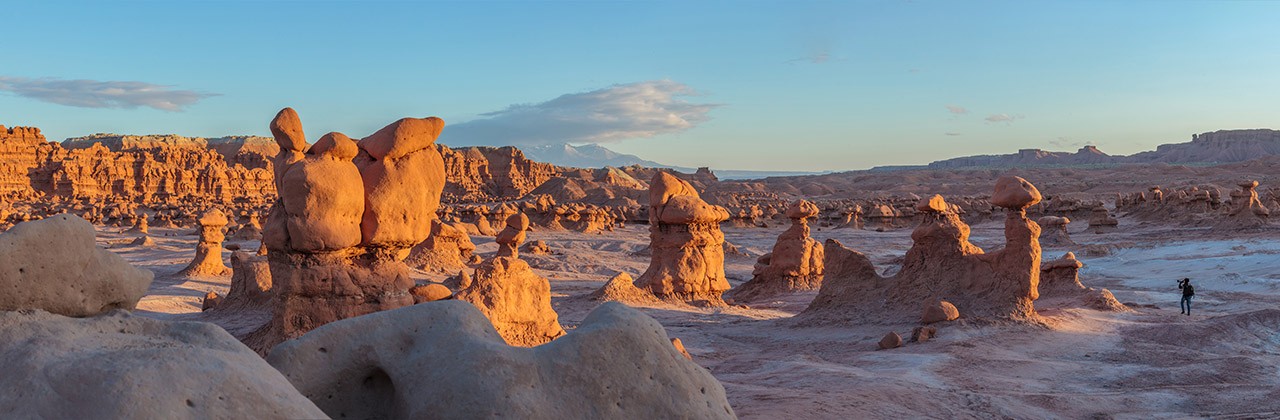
1187 292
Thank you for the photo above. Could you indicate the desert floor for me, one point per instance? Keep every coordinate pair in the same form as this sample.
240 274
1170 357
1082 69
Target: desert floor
1223 361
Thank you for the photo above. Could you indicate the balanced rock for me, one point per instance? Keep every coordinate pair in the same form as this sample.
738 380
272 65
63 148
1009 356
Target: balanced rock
686 244
53 265
346 218
403 175
512 235
619 363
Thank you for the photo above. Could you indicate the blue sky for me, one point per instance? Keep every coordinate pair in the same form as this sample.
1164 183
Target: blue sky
734 85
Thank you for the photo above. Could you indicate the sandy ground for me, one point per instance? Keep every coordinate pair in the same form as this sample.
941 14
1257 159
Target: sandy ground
1220 362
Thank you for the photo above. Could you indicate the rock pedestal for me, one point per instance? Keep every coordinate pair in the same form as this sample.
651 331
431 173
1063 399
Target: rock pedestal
514 298
208 261
686 244
796 261
347 215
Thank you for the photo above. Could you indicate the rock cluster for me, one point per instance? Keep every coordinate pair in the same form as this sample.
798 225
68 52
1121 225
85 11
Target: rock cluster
686 244
618 363
347 215
941 265
796 260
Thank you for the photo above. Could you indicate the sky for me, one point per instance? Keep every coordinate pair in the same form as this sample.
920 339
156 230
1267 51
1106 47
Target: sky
798 86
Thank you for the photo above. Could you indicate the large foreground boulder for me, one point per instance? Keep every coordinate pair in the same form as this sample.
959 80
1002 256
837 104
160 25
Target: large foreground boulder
54 265
121 366
444 360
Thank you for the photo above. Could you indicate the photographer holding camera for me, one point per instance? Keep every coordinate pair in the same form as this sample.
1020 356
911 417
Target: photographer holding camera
1187 292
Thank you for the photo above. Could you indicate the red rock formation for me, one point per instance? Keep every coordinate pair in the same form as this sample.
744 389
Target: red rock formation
795 263
208 260
686 244
941 265
340 229
511 295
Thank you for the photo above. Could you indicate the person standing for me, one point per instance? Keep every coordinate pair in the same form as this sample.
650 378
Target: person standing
1187 292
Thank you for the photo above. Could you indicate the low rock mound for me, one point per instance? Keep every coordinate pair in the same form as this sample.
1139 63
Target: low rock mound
622 288
122 366
53 265
618 364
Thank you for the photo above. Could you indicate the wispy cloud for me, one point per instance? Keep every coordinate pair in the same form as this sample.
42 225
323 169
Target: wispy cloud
1003 118
615 113
99 94
957 109
953 134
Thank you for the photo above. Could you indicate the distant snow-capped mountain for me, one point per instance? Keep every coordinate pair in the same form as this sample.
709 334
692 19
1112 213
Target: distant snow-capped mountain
588 156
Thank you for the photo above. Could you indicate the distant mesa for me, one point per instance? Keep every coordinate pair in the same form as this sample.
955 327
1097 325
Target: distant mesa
1222 146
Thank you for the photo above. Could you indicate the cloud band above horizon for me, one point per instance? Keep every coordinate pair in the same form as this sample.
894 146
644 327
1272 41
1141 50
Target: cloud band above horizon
612 114
102 94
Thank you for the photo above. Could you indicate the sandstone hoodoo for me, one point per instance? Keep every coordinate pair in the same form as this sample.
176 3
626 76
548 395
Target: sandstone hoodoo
941 265
53 265
208 260
619 363
796 260
347 215
1054 231
511 295
1246 209
686 244
1060 280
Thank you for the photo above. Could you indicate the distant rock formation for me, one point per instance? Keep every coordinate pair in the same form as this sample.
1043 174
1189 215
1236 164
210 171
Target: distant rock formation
1222 146
941 265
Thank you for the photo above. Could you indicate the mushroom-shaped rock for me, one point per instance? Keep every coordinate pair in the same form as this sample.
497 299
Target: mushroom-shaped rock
208 260
53 265
618 363
934 204
686 244
795 264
